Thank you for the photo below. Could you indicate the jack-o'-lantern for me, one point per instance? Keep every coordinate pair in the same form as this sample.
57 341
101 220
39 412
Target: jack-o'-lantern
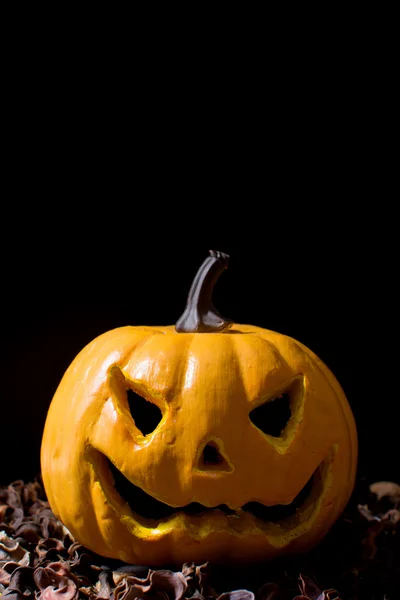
204 441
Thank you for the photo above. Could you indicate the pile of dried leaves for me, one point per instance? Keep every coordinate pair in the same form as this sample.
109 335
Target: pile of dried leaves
40 560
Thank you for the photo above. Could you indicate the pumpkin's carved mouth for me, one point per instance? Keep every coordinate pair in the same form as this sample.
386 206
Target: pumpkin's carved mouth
148 507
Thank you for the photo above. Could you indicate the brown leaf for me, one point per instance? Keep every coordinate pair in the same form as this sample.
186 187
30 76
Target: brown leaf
366 513
31 492
87 591
8 543
56 583
13 498
126 590
29 531
311 591
5 512
139 571
237 595
104 585
189 571
6 570
17 517
392 515
41 509
158 585
21 579
172 583
203 577
49 545
384 489
11 594
309 588
81 558
11 549
331 595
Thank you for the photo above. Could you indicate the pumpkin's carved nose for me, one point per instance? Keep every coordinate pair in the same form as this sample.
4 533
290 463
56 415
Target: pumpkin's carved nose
212 459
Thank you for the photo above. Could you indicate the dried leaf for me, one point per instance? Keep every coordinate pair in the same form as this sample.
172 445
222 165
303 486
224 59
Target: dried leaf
126 590
104 585
383 489
309 588
5 512
392 515
6 570
29 531
366 513
11 548
203 577
13 498
237 595
138 571
87 591
56 582
49 545
172 583
21 579
18 517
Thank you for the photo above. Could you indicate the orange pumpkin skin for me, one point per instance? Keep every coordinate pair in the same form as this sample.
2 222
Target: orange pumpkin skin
205 385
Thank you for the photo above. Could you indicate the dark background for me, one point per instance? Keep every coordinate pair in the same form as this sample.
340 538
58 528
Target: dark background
333 288
115 186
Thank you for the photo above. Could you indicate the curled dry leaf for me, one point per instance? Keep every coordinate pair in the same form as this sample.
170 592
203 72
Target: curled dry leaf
367 513
21 580
389 489
56 583
12 496
160 585
5 510
309 588
311 591
105 585
29 531
10 549
138 571
6 570
392 515
45 546
130 588
237 595
172 583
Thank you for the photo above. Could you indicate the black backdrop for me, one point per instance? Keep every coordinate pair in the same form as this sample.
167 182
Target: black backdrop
330 292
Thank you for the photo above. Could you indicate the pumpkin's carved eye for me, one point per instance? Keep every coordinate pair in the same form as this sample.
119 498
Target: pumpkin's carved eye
273 416
145 414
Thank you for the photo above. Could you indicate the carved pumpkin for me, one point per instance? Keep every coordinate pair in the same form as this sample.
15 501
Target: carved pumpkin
207 441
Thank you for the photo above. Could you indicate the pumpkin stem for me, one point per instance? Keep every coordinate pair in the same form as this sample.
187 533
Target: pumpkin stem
200 316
